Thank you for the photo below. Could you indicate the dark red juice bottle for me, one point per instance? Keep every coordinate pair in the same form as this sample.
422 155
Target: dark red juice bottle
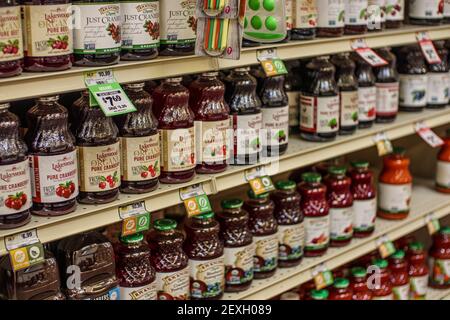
11 54
305 20
367 93
292 87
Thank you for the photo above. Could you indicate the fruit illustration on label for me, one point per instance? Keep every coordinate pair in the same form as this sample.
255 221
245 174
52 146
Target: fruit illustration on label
10 47
110 180
418 95
441 7
320 239
371 113
65 190
281 136
114 32
355 116
341 17
348 229
333 123
152 29
16 201
60 43
255 144
192 22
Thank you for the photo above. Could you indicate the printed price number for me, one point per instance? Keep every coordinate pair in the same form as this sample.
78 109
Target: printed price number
428 49
25 249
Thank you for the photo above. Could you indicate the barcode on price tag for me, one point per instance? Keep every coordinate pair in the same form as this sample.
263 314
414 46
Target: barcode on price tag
25 249
135 218
428 49
195 200
370 56
428 135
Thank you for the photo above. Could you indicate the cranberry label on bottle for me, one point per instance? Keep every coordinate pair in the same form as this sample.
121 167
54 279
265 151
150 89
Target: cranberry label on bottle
356 12
364 214
147 292
177 149
395 10
290 241
266 253
387 98
15 188
275 123
394 198
443 174
367 103
317 232
349 108
207 277
178 21
247 129
438 91
305 14
331 13
213 140
239 264
319 114
11 44
413 90
419 287
341 223
173 285
426 9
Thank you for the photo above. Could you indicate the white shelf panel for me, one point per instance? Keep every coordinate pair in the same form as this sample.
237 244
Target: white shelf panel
438 294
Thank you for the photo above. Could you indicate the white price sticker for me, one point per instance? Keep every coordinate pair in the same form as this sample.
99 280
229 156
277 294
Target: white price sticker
428 135
370 56
428 49
21 239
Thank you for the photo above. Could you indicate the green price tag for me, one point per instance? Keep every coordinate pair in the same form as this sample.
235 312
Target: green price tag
135 218
197 205
322 277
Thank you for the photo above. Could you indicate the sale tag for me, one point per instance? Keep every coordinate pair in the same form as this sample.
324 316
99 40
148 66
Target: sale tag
385 246
428 49
272 65
433 224
259 182
383 144
195 200
370 56
322 276
135 218
25 249
428 135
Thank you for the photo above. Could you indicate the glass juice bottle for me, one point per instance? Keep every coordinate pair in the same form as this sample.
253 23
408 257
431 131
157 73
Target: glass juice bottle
383 290
446 12
356 16
395 13
139 143
292 87
440 259
305 20
341 290
438 90
15 182
426 12
48 38
212 123
330 18
367 93
289 15
53 158
358 284
11 43
176 130
418 271
169 260
264 227
376 15
443 166
238 245
398 267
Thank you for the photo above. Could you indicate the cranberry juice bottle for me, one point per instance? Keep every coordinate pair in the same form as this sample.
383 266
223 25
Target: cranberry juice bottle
139 143
176 130
212 122
395 13
330 18
53 158
367 94
418 271
15 182
305 20
438 90
356 16
426 12
11 43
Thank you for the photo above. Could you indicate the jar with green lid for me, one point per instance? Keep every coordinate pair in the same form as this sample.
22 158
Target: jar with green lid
358 284
417 271
398 267
440 259
319 294
341 290
381 285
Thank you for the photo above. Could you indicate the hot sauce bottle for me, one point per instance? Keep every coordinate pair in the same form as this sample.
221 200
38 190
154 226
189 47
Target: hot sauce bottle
440 259
395 13
358 284
292 86
426 12
341 290
11 48
330 18
383 289
417 271
438 90
305 20
356 16
443 166
398 267
367 93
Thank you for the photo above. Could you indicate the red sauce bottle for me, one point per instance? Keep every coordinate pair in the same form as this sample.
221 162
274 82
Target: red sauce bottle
398 267
418 271
341 290
330 18
358 284
395 13
383 289
356 16
443 166
440 259
11 51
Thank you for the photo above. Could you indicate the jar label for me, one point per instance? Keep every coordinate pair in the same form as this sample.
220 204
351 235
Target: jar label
11 43
54 178
341 225
239 264
111 294
364 214
207 277
99 168
247 134
387 98
319 114
418 287
443 174
438 92
356 12
305 14
440 271
376 14
426 9
178 21
367 103
349 108
177 149
46 30
317 232
290 241
394 198
266 253
15 188
447 8
173 285
147 292
401 292
275 122
213 140
395 10
140 158
289 14
413 90
331 13
294 110
388 297
97 28
140 24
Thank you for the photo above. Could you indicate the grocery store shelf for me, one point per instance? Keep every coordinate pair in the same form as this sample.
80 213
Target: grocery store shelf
438 294
30 85
442 293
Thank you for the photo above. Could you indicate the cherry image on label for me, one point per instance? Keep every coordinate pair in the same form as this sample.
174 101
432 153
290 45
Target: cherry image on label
11 42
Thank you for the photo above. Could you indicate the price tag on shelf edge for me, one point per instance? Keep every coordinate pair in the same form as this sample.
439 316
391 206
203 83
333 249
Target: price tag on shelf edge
428 49
370 56
428 135
272 65
322 276
25 249
107 93
135 218
433 224
385 246
259 181
383 144
195 200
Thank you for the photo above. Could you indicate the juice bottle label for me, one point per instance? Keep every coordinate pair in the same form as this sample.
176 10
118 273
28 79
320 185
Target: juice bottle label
349 108
447 8
418 287
401 292
97 28
239 264
440 271
247 134
266 253
11 44
140 24
376 13
367 103
294 110
425 9
54 178
289 14
140 158
178 21
341 223
47 32
317 231
356 12
413 90
213 140
305 14
290 241
395 10
147 292
438 91
319 114
207 277
394 198
364 214
275 122
443 174
388 297
15 188
177 149
173 285
112 294
99 168
331 13
387 98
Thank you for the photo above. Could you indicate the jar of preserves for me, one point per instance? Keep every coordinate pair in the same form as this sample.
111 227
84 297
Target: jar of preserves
305 20
341 290
330 18
376 15
398 267
358 284
417 270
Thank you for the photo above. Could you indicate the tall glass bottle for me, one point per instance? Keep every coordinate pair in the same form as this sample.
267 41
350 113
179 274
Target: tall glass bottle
395 13
356 16
11 43
292 86
438 91
367 93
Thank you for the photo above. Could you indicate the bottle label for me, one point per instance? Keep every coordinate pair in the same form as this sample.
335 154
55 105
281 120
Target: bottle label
15 188
413 90
177 149
376 14
247 134
97 28
289 14
294 110
443 174
317 231
11 43
447 8
207 277
367 103
239 264
266 253
46 30
178 21
440 273
418 287
394 198
438 88
147 292
364 214
213 140
275 122
401 292
356 12
341 225
140 24
319 114
331 13
140 158
305 14
426 9
395 10
387 98
173 285
290 241
99 168
112 294
349 108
